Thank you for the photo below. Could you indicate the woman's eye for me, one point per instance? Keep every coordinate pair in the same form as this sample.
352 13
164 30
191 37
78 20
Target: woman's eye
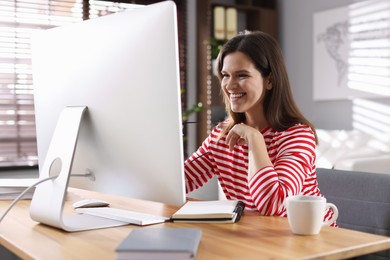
242 75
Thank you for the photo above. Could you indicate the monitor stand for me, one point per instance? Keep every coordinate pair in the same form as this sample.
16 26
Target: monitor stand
47 204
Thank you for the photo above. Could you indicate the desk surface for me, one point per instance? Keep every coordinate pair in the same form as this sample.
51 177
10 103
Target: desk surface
253 236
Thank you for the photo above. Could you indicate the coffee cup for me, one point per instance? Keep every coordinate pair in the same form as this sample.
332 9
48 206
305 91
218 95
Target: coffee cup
305 214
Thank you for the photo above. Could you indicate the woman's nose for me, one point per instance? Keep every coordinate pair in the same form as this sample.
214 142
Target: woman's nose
231 84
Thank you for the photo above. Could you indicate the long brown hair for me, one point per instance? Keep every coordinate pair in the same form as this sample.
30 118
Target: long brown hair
279 106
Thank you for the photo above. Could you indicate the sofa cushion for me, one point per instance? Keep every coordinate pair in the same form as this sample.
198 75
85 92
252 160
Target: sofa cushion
363 200
353 150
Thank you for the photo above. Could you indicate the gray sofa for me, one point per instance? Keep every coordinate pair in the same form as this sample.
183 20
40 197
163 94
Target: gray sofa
363 200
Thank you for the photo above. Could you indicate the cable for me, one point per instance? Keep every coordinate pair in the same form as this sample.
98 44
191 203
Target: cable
196 158
88 174
22 194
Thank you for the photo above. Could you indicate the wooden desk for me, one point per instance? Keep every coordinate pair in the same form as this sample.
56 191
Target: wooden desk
254 237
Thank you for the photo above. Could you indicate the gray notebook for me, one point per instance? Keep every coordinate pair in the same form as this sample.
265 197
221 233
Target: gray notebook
160 243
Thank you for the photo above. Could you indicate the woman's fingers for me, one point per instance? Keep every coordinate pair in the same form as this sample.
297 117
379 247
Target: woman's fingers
232 141
234 136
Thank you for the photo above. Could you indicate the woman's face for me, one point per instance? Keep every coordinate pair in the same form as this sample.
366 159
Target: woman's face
242 83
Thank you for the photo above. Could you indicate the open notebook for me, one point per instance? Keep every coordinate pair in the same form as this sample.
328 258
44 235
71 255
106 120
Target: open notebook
217 211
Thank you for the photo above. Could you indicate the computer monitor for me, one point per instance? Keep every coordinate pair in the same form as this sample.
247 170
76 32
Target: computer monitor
124 68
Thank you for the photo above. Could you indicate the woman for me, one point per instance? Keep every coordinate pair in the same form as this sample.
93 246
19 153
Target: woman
265 150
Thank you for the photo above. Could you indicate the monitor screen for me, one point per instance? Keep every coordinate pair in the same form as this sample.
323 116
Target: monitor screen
125 68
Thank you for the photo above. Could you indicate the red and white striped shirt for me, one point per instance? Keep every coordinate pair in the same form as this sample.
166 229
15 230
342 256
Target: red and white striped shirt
292 153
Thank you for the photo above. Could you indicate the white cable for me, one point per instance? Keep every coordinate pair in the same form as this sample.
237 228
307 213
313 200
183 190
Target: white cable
88 174
22 194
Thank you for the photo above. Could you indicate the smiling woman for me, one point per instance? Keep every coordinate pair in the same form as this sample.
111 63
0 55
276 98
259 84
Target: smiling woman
240 82
265 150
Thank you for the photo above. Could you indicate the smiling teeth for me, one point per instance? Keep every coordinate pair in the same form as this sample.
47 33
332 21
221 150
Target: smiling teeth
236 95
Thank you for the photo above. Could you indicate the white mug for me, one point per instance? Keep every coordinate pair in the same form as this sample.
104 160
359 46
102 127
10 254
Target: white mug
305 214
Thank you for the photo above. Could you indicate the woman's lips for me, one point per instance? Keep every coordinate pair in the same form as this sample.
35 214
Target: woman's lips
236 96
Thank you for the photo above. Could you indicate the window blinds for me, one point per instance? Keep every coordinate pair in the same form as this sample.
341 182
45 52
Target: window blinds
18 20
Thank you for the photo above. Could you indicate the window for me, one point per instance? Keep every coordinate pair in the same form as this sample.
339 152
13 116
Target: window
18 20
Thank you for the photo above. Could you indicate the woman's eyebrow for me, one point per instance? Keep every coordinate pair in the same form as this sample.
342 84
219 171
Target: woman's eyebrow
237 71
242 71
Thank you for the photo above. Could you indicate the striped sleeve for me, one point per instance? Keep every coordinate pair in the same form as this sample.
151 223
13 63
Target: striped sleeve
199 167
292 153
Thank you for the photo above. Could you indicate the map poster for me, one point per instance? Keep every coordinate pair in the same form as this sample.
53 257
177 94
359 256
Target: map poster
331 54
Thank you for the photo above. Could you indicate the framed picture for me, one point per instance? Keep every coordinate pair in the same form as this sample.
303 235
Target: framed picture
351 52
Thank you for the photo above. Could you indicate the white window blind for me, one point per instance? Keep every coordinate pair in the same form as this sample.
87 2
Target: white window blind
18 20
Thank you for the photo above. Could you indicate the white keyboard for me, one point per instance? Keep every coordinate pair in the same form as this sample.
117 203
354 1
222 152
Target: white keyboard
131 217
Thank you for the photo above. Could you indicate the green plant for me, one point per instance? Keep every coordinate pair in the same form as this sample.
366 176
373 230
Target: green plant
194 109
215 46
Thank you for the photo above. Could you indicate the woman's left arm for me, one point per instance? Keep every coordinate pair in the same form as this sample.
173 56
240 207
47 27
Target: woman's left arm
271 181
293 162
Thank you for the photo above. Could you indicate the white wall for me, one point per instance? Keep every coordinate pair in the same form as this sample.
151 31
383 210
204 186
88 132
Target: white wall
296 39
